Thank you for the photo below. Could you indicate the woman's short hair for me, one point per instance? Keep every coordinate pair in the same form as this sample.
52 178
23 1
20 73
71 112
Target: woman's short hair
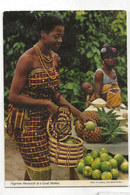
47 22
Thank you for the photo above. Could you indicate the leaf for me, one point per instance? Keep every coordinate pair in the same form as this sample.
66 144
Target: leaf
69 85
90 54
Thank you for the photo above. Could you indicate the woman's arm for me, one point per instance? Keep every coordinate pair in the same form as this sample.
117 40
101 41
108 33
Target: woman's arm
61 100
16 97
98 84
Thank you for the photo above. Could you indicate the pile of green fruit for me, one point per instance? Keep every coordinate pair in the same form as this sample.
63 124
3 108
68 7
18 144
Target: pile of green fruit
100 165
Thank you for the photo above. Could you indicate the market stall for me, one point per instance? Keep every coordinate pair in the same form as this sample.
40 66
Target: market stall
70 147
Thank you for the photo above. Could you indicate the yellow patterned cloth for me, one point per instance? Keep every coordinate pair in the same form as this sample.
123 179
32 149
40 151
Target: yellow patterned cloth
111 93
28 125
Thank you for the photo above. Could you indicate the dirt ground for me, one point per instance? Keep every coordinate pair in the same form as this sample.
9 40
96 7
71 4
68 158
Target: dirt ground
15 168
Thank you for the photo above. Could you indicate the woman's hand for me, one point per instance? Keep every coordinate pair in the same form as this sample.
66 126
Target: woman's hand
82 117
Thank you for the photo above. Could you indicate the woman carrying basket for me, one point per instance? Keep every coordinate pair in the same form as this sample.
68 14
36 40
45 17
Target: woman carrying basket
34 87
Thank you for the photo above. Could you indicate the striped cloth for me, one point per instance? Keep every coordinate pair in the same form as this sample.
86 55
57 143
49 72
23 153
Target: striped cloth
28 125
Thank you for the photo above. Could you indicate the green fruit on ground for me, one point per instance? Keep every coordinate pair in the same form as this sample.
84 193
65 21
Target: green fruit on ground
90 126
115 173
94 153
105 166
103 150
69 142
88 160
124 167
104 157
96 174
80 167
119 158
87 171
106 175
95 165
114 163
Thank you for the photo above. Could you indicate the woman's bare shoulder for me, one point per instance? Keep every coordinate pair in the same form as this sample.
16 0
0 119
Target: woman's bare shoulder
26 59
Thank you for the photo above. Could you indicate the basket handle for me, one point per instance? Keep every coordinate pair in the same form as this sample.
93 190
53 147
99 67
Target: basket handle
58 110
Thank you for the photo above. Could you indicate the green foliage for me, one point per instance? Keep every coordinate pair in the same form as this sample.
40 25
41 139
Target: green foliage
85 33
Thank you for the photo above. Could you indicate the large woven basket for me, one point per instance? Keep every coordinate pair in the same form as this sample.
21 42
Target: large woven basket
64 154
59 126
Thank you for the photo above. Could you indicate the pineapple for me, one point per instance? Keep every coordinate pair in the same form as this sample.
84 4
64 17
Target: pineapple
94 136
93 115
107 128
112 132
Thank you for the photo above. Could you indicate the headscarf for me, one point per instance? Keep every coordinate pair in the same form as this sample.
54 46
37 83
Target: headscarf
108 51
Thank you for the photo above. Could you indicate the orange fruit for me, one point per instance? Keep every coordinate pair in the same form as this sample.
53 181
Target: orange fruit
114 163
90 125
103 150
88 160
105 166
80 167
94 153
95 165
106 175
87 171
115 173
124 167
96 174
104 157
119 158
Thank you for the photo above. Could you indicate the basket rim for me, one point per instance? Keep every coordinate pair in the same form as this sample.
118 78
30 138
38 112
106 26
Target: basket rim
51 139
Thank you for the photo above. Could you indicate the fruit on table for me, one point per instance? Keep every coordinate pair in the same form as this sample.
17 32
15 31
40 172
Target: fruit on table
104 170
97 159
80 167
93 136
95 165
90 125
119 158
88 160
105 166
107 129
124 167
115 173
106 175
96 174
87 171
104 157
94 154
103 150
88 154
113 162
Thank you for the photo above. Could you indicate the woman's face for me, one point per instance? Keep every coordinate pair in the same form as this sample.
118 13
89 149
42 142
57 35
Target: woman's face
53 40
110 61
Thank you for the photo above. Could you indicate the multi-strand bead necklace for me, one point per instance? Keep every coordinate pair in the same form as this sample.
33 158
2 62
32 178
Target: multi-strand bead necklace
44 60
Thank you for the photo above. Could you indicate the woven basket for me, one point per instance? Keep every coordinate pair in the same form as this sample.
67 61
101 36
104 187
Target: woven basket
59 126
64 154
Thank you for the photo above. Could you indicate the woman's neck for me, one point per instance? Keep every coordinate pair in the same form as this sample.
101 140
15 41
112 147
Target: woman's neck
44 49
107 68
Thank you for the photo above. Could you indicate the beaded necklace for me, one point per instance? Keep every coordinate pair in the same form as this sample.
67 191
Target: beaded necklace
43 60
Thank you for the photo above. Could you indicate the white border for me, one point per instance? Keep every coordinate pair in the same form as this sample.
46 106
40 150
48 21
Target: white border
15 5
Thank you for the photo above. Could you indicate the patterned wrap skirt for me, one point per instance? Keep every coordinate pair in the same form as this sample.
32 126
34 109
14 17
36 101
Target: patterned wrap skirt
28 125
